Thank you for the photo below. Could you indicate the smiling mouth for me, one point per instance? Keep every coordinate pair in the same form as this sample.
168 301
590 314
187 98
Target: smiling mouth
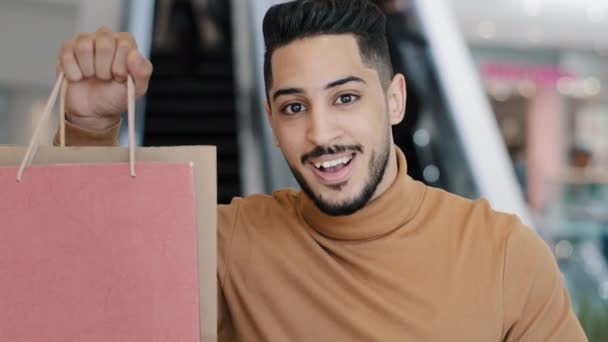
334 171
334 165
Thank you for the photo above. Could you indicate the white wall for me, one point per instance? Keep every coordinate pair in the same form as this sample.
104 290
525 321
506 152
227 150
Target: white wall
555 23
30 37
31 34
22 112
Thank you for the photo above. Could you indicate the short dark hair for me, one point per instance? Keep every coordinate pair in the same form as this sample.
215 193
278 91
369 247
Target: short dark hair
287 22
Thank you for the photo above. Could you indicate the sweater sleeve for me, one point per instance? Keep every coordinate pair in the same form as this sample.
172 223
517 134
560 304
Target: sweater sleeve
226 223
537 304
77 136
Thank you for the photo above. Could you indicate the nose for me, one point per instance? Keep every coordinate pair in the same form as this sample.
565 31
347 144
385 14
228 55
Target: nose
322 129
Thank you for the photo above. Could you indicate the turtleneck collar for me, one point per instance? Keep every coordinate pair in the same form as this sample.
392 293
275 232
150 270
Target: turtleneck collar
391 210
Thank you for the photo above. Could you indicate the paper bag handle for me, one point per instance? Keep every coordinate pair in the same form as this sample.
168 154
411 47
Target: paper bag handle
61 85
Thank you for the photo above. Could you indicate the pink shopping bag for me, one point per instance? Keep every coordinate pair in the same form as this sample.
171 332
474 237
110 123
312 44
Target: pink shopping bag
95 249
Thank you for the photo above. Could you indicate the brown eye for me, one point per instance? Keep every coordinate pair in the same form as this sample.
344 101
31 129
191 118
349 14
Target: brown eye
293 108
346 99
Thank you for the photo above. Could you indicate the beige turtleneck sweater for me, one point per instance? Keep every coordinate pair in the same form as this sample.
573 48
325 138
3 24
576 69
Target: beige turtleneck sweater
416 264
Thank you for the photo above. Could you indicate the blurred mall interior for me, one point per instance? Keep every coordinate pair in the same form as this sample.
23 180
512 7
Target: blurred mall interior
507 100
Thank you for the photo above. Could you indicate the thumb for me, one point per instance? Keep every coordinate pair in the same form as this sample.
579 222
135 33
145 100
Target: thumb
140 68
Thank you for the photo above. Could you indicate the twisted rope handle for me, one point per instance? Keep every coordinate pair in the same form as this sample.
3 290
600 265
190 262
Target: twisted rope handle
61 86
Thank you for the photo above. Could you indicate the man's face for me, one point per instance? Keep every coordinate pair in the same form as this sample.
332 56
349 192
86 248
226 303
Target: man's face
331 117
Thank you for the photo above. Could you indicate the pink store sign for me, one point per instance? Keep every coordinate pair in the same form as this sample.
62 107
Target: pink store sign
541 74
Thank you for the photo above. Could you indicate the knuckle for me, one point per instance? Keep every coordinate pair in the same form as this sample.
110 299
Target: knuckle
128 37
104 75
87 66
104 28
148 69
66 58
84 47
119 69
104 50
124 44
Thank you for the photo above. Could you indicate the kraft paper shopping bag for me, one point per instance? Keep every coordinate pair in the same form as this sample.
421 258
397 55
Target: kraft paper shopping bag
96 249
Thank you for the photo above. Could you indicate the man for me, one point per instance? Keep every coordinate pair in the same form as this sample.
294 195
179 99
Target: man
363 252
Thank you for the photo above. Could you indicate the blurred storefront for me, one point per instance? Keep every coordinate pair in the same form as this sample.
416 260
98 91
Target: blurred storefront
544 65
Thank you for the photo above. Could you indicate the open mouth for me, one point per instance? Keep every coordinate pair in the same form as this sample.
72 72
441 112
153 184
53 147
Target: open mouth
334 171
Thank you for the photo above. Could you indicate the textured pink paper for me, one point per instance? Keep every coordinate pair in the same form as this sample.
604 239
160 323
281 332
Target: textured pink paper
89 254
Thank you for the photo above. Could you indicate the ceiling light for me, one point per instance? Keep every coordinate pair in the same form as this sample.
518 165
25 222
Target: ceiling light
532 8
501 97
526 88
596 11
580 92
486 29
431 174
592 86
422 138
566 86
564 249
604 290
500 92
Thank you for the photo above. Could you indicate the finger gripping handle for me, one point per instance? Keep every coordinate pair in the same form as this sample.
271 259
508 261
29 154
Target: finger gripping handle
61 87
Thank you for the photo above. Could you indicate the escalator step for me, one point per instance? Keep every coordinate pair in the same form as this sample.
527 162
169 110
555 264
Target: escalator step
191 125
180 88
186 108
168 54
208 71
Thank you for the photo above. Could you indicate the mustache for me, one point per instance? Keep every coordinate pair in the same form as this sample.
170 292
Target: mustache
320 151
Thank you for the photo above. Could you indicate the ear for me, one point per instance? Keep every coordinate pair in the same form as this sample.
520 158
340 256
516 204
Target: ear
270 122
397 98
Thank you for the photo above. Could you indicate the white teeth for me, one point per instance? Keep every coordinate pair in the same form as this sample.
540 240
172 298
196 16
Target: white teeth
332 163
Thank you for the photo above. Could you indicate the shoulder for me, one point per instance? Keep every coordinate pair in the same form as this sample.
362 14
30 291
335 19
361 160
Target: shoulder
478 238
498 247
537 304
496 243
529 262
255 207
469 219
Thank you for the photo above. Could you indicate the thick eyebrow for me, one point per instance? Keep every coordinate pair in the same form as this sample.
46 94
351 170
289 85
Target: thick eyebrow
336 83
343 81
286 91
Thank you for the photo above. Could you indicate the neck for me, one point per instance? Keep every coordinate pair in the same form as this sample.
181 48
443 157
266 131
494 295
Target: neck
390 174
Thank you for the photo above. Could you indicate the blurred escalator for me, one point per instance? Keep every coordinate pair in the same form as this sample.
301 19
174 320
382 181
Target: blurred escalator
427 135
192 93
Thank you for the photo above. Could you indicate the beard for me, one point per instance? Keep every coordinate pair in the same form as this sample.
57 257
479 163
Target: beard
377 167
